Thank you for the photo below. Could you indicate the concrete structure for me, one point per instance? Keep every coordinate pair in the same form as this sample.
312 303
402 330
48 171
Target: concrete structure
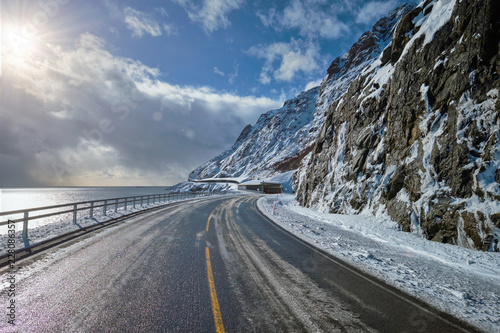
215 180
252 185
263 187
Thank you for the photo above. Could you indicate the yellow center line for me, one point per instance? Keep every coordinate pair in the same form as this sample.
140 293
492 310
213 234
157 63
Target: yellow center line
208 222
219 326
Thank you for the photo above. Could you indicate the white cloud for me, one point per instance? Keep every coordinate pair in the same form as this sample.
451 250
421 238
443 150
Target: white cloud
313 84
112 114
264 77
285 60
141 23
114 31
374 10
268 19
312 18
170 29
114 9
211 14
219 72
162 11
232 76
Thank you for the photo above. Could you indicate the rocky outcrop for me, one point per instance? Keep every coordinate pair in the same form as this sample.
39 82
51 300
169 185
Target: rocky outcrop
281 138
275 144
417 133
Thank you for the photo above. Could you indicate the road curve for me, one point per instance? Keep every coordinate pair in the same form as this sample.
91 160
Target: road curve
209 265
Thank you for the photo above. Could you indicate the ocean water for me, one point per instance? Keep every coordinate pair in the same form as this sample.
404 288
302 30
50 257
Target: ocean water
21 198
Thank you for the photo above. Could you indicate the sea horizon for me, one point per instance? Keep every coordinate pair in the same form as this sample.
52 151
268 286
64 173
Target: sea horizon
16 198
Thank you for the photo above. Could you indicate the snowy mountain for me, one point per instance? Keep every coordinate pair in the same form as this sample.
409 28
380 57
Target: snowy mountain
281 138
416 135
405 125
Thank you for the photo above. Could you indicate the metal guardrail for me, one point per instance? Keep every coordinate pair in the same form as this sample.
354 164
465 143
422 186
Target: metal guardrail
76 207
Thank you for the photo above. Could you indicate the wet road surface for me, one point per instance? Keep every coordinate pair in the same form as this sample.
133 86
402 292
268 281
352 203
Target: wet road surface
207 265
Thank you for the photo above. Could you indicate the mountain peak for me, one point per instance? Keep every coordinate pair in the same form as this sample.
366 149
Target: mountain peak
370 44
281 138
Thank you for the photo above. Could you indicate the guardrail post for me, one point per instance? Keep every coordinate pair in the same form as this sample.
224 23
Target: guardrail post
148 199
125 207
142 201
116 205
25 225
74 213
104 208
134 202
91 210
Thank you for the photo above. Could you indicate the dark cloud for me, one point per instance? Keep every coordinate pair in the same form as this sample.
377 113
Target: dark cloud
85 117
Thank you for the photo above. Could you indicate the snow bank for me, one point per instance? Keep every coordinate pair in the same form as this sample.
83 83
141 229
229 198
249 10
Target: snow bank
456 280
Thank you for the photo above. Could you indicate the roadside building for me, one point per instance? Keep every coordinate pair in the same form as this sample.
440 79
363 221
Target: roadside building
260 186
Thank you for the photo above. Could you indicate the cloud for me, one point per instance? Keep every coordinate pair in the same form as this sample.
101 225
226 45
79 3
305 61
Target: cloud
269 18
284 61
211 14
219 72
141 23
313 19
82 116
162 11
313 84
170 29
374 10
232 76
138 22
114 10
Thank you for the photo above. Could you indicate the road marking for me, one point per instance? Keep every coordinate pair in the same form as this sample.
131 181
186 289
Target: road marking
219 326
208 222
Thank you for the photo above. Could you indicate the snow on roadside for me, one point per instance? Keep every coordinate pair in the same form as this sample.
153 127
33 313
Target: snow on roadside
456 280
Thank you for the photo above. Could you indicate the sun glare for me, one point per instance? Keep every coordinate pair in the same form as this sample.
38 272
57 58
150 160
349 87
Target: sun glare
19 49
19 43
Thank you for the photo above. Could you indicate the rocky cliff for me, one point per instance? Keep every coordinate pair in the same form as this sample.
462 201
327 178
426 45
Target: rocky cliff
281 138
275 144
416 134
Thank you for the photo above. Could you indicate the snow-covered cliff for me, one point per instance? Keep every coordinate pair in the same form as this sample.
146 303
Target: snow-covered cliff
281 138
405 124
416 136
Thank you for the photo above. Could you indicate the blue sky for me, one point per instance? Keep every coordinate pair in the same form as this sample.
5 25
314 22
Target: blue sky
108 92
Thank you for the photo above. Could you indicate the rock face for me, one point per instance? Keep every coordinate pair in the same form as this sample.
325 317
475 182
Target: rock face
417 133
281 138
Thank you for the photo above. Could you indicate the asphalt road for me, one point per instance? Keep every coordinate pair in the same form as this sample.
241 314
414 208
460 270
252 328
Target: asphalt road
205 266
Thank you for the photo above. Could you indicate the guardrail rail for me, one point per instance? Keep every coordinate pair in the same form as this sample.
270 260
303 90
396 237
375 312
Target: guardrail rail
90 206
